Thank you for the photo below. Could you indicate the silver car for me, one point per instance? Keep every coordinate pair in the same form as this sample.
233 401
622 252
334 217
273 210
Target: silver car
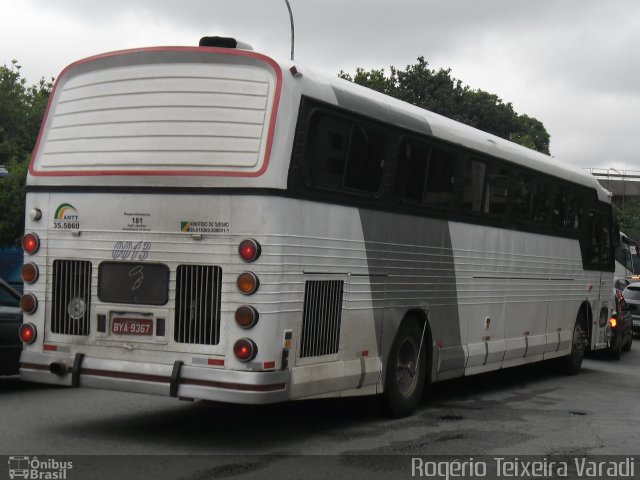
632 297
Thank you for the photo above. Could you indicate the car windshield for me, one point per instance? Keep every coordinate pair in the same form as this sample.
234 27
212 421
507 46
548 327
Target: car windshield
632 293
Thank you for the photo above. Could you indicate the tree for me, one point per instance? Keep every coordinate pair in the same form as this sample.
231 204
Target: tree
21 111
628 217
439 92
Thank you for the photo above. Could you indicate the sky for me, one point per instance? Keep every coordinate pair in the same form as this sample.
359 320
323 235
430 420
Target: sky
572 64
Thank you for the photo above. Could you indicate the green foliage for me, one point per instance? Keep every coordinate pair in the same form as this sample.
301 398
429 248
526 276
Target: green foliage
628 217
439 92
21 110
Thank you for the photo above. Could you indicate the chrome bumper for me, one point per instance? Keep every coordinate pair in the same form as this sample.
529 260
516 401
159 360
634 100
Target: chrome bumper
176 380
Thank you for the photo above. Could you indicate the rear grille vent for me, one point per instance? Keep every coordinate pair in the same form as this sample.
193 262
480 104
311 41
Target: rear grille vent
321 317
71 297
197 319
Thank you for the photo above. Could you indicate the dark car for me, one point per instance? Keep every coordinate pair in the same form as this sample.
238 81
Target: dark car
621 323
10 321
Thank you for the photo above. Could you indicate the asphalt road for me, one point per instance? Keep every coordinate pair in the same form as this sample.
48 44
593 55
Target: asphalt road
523 411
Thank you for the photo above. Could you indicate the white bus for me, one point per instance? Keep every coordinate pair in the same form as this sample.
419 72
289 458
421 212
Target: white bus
209 223
626 255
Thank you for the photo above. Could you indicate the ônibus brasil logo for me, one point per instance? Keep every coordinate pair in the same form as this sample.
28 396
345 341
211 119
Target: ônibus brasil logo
33 468
66 217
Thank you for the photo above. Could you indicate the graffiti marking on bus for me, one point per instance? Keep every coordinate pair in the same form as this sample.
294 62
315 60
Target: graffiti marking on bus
138 276
131 251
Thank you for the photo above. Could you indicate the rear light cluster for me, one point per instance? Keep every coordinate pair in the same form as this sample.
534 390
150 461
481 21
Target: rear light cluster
247 316
613 322
30 243
249 250
30 274
28 333
245 349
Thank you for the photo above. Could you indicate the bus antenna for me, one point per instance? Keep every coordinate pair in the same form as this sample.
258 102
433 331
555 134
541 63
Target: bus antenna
291 21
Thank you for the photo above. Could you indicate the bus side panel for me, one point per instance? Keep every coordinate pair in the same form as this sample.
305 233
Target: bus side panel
544 283
413 257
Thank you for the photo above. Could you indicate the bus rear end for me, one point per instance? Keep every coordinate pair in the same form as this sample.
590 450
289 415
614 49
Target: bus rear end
142 253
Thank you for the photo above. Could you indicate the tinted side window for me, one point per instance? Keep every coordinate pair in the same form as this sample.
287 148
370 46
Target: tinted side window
604 224
425 174
567 209
440 177
497 190
344 153
365 159
473 189
599 246
326 149
531 199
411 170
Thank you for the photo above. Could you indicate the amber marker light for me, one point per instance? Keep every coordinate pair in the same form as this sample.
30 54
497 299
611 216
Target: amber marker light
246 316
30 243
29 273
247 283
613 321
28 303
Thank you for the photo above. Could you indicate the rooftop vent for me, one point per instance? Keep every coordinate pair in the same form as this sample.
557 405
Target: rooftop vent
224 42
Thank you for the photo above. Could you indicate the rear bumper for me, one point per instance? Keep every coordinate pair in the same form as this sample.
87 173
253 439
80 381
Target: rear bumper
176 380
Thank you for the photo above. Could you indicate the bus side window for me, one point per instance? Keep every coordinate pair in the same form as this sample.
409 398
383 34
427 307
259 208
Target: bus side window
567 210
605 240
496 191
440 178
540 202
474 173
327 149
411 170
595 239
365 160
522 197
531 199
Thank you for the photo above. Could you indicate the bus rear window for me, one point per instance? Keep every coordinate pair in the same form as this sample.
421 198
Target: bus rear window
189 113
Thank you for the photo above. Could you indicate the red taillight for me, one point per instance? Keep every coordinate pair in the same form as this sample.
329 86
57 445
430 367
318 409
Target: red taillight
249 250
248 283
245 349
28 333
246 316
30 243
613 322
30 272
28 303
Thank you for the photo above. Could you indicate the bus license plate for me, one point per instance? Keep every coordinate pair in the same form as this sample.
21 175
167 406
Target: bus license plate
132 326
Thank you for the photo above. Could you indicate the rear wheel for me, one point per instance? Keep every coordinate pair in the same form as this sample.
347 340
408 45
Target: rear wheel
616 350
406 372
571 363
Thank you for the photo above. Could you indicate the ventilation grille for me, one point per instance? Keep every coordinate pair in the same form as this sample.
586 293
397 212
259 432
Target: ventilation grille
197 319
321 317
71 297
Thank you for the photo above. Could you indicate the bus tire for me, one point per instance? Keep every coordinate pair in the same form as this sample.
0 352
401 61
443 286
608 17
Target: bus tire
571 364
616 351
405 373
